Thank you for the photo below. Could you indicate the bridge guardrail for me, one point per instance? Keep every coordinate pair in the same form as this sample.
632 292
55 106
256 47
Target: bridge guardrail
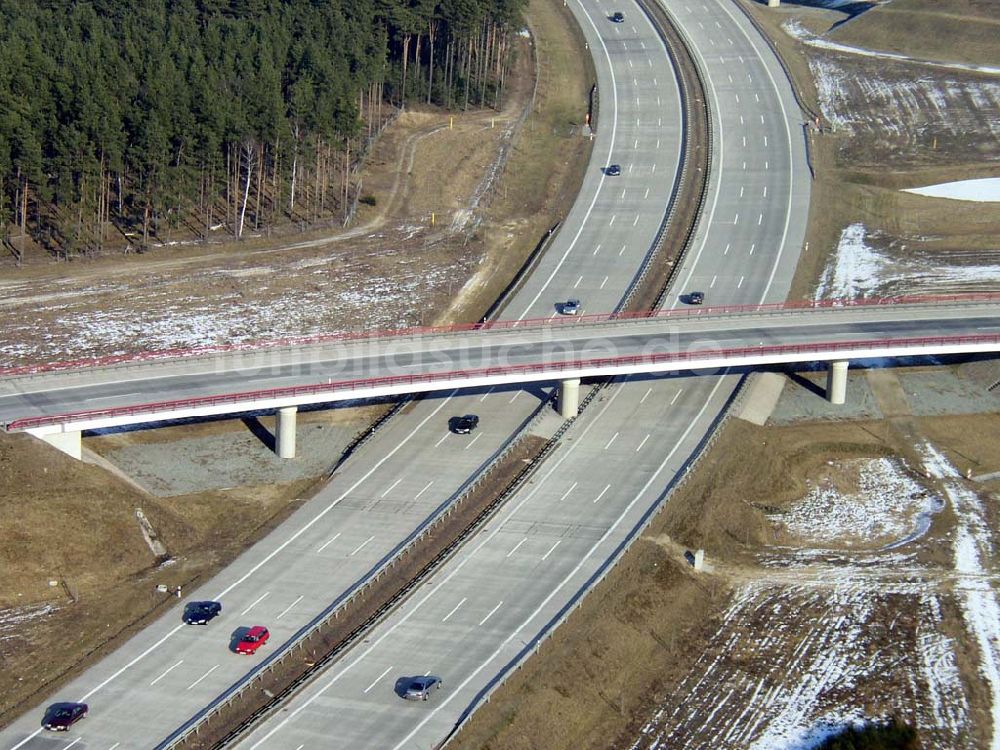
546 370
502 325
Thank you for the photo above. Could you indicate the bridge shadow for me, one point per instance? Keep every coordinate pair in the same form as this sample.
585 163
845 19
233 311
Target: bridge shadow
259 431
804 382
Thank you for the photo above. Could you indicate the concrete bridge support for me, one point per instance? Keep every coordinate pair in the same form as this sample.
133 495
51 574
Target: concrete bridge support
773 3
836 382
284 434
569 397
70 443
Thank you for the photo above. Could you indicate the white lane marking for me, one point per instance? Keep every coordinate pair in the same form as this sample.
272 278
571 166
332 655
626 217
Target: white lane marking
649 60
257 601
597 249
288 609
610 224
168 671
516 546
603 492
578 282
765 141
730 41
731 80
623 194
636 220
741 191
653 171
211 669
645 395
392 487
551 549
740 282
114 746
545 602
718 25
642 45
711 41
491 613
613 439
566 493
631 165
757 97
676 396
642 443
443 438
300 746
744 166
472 442
361 546
630 62
737 219
726 251
765 191
646 194
516 394
712 285
488 392
464 598
604 282
387 669
597 193
760 218
765 165
426 487
328 542
753 246
744 141
622 250
258 566
78 739
701 25
737 98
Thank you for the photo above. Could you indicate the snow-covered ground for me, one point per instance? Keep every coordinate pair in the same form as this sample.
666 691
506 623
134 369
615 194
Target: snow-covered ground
886 505
815 640
982 191
859 269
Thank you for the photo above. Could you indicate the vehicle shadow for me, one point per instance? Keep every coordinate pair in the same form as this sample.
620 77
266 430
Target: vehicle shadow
237 636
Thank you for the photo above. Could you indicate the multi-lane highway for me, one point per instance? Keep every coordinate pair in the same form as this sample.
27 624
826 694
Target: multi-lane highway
169 672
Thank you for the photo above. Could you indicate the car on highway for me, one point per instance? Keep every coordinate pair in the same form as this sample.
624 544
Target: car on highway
252 640
617 17
696 298
61 716
420 687
201 613
463 425
570 307
613 170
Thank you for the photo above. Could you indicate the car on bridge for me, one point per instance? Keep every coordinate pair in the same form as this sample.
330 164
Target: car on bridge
252 640
696 298
617 17
613 170
201 613
420 687
59 717
463 425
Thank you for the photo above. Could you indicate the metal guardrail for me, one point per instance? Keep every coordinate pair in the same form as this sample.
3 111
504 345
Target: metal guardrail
595 367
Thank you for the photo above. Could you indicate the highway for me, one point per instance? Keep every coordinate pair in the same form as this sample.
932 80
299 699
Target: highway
488 607
167 673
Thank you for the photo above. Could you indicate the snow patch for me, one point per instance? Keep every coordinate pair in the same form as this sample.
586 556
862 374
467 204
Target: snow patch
982 191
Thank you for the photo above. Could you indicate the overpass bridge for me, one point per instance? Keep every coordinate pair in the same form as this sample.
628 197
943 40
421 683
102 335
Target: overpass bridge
46 401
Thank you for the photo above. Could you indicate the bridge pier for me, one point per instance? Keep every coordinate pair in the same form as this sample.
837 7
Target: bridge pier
773 3
569 397
70 443
836 382
284 433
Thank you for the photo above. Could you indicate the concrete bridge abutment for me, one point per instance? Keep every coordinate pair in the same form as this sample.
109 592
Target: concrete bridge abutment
70 443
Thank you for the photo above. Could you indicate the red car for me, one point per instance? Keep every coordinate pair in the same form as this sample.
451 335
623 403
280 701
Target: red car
252 640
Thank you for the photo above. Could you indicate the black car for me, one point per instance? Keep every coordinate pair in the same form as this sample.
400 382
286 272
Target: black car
61 716
464 425
613 170
696 298
618 18
199 613
420 687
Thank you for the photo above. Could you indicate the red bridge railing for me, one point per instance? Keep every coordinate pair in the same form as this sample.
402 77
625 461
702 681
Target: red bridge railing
549 369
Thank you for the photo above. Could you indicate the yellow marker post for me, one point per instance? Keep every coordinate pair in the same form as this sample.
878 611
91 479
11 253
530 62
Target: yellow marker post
451 123
432 218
